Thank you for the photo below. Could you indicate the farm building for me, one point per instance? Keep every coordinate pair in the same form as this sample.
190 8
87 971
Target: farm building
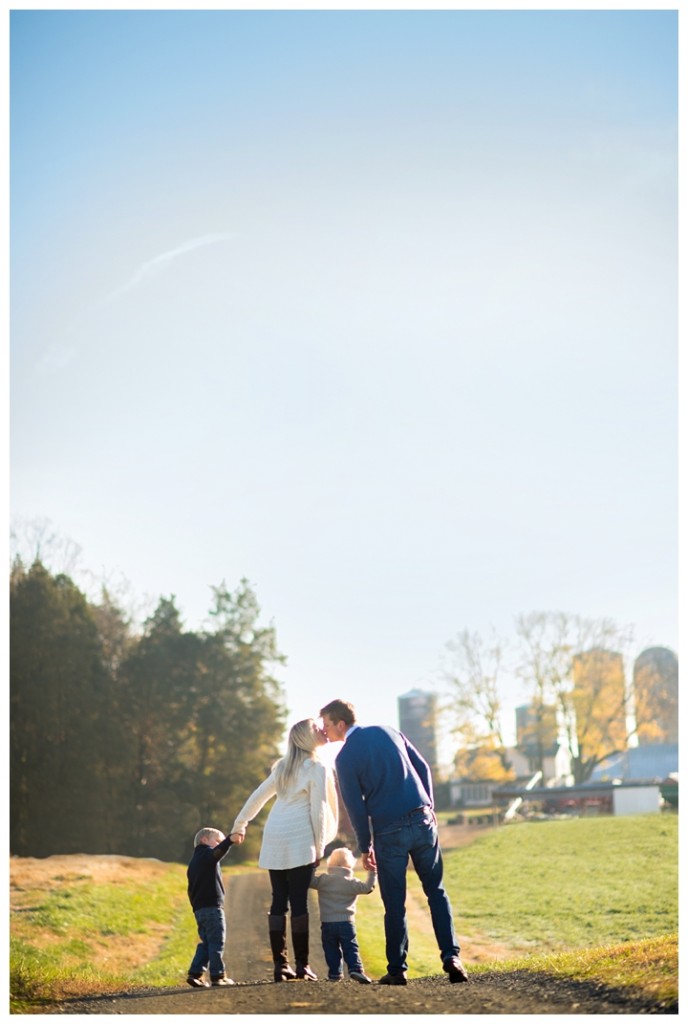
637 797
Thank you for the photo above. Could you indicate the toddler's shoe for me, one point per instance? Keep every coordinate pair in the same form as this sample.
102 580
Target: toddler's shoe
360 977
221 981
334 977
196 981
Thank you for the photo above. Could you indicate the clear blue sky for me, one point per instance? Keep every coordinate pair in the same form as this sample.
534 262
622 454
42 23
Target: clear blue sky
376 309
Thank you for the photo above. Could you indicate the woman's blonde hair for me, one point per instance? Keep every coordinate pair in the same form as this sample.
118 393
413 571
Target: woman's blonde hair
304 739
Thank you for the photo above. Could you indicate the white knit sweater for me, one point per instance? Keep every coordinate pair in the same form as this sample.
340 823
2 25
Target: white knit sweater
301 823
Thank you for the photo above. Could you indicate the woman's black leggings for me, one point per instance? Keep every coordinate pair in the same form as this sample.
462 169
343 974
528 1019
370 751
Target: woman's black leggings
290 889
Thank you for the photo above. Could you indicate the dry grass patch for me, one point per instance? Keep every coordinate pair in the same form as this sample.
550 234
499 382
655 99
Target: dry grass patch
32 878
41 873
650 967
80 924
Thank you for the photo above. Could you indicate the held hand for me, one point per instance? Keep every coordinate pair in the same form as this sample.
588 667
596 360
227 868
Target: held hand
237 837
369 862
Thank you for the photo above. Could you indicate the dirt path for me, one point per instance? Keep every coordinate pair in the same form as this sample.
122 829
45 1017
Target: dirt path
514 993
255 993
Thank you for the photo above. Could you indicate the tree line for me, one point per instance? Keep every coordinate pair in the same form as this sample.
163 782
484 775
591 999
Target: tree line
127 740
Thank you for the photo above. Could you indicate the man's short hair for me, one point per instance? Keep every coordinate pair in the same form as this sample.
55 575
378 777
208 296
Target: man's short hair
208 833
339 711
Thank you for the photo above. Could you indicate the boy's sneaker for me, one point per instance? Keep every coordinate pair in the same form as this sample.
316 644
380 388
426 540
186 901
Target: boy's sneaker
360 977
221 981
196 981
334 977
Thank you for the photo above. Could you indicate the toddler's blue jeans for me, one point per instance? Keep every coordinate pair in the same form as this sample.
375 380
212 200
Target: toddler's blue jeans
211 932
339 938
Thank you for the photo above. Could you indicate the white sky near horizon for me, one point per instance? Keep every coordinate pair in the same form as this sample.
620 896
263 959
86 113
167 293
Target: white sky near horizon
377 309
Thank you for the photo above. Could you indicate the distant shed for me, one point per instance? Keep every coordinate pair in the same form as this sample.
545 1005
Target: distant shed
638 797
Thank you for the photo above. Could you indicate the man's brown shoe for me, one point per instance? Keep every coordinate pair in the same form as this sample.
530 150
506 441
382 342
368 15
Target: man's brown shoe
393 979
455 969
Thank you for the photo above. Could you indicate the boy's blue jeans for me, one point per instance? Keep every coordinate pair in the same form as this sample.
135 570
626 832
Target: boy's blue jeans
414 835
211 932
339 937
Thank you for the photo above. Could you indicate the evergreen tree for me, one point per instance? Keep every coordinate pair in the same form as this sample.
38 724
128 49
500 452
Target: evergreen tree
117 642
238 714
58 716
155 691
125 743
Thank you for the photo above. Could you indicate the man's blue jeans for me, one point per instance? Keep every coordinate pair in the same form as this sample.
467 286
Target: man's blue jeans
339 937
414 835
211 932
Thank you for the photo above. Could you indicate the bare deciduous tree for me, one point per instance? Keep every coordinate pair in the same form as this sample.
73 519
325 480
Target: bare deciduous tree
579 666
476 700
35 540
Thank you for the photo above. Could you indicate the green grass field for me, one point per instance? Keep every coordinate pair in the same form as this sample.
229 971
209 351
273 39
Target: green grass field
569 884
585 886
548 887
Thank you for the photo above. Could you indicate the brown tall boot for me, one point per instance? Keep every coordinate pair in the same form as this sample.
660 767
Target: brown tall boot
299 938
277 929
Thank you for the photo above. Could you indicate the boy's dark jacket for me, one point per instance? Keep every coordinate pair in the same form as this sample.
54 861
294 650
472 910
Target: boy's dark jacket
205 877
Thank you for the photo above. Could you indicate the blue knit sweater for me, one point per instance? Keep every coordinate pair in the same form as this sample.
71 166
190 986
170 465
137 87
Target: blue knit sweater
381 777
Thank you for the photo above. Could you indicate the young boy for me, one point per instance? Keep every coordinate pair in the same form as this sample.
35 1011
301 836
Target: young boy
207 897
337 893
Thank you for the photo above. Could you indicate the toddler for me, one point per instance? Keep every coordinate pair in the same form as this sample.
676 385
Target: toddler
337 892
207 897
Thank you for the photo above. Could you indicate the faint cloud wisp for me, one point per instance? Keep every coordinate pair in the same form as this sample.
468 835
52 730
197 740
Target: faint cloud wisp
160 263
59 356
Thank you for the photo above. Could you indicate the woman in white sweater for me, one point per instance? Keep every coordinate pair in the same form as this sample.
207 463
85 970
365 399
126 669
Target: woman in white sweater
302 821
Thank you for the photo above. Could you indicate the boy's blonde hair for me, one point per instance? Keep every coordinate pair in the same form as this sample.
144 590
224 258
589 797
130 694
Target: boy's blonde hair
208 833
341 858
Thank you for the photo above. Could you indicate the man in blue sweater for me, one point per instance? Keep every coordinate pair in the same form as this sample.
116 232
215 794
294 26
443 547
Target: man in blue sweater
386 784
